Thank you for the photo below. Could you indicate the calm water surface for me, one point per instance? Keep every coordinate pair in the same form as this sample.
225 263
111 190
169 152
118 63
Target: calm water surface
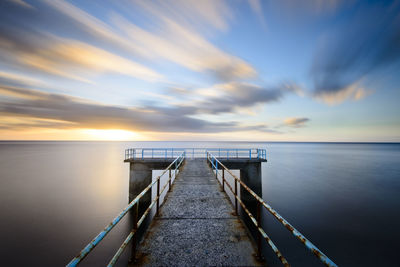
56 196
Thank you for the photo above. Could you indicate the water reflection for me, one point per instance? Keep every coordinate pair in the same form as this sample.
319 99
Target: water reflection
56 196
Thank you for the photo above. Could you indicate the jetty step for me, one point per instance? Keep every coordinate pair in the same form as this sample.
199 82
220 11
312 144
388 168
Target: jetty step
197 225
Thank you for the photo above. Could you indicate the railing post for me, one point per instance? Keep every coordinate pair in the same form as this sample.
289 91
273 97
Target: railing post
216 169
142 153
135 227
236 202
259 255
223 180
169 181
175 169
158 196
249 153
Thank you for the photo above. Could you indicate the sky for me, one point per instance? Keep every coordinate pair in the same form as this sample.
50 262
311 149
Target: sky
289 70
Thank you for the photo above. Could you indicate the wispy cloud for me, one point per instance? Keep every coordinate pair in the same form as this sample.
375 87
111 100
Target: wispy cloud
23 45
10 78
256 6
188 48
68 58
228 97
80 113
367 43
101 31
307 7
353 91
32 108
296 122
175 36
38 109
191 13
21 3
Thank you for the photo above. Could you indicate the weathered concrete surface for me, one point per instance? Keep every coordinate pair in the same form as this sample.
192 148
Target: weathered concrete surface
250 174
196 226
140 176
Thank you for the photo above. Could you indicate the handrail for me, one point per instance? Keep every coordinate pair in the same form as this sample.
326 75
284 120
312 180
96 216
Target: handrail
229 153
215 162
86 250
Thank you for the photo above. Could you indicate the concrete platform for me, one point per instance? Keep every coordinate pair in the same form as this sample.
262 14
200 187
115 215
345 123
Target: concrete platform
197 225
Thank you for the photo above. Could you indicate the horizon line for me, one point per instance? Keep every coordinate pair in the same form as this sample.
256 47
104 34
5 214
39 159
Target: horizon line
213 141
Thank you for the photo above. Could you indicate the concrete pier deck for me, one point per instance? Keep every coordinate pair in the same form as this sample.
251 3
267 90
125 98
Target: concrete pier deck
197 225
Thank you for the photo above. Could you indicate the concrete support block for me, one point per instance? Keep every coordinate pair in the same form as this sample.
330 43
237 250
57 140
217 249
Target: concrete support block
250 174
140 176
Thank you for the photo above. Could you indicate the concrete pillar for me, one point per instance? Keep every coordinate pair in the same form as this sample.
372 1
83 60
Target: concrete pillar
250 174
140 176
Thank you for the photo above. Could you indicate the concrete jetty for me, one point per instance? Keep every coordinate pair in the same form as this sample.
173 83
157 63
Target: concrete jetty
197 225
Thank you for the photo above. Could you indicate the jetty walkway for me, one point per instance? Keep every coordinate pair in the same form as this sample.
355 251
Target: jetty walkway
197 225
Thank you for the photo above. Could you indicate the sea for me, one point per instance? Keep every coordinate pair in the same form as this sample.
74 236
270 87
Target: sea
55 196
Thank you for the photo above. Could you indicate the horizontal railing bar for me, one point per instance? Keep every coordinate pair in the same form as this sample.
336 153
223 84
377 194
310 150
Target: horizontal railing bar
142 153
122 248
106 230
139 223
152 204
196 150
132 233
319 254
86 250
266 237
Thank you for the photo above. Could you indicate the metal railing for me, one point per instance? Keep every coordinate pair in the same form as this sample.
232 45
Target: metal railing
175 165
215 163
228 153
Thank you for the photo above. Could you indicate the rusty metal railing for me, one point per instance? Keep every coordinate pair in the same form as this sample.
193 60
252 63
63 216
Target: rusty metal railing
175 165
215 163
228 153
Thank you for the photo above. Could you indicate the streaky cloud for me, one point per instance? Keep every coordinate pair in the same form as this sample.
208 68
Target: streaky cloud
296 122
101 31
228 97
42 109
203 15
371 41
21 3
256 6
186 47
65 57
